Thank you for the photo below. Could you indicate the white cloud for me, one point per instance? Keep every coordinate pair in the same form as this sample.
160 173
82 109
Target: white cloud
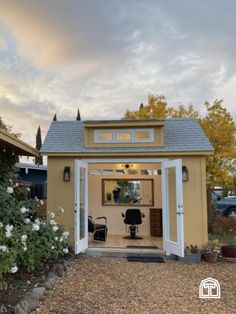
106 56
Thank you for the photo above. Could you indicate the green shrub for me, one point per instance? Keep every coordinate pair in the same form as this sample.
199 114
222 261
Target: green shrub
26 242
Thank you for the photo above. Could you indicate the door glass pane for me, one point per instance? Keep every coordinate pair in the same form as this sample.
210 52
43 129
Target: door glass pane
82 203
171 205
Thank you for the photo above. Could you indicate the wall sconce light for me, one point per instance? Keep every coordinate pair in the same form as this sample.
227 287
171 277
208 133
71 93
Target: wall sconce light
184 173
66 174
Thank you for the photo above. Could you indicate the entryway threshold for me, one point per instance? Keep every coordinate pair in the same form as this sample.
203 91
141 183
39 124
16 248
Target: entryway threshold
121 251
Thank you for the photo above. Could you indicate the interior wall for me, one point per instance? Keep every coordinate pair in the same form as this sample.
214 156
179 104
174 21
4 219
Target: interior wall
113 212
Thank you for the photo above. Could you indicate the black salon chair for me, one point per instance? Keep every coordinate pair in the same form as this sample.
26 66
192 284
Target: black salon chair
132 218
98 230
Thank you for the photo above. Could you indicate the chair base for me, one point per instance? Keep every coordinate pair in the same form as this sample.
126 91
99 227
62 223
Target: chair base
133 238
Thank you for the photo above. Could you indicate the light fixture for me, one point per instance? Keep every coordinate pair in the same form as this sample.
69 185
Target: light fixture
184 173
127 166
66 174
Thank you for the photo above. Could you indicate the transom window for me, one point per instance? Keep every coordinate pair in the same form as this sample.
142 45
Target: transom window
124 136
104 136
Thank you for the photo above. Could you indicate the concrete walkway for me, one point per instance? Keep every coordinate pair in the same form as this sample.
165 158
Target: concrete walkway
112 285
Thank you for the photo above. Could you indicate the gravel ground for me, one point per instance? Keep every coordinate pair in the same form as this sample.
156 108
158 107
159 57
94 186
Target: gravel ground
112 285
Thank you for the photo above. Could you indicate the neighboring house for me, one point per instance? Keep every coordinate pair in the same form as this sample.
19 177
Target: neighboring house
101 168
35 176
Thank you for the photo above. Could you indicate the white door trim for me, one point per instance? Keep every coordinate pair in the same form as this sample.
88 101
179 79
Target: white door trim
81 244
124 160
173 247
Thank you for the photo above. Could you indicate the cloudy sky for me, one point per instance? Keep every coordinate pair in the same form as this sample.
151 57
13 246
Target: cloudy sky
106 56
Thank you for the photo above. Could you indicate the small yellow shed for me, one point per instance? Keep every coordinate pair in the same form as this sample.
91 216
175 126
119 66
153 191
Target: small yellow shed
103 168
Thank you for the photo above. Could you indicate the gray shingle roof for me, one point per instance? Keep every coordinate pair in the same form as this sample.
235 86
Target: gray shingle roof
180 135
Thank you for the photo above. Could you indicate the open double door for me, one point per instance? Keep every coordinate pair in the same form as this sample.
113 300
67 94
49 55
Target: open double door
172 203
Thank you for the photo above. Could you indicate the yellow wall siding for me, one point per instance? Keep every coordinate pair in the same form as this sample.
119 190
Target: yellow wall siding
61 193
194 195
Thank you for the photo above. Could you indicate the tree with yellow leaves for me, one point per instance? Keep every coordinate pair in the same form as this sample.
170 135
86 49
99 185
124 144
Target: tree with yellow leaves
156 108
218 125
220 128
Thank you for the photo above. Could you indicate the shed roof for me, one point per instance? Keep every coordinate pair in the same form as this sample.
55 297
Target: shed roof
180 135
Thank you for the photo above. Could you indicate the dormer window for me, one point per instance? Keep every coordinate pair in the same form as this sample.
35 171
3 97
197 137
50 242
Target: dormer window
124 136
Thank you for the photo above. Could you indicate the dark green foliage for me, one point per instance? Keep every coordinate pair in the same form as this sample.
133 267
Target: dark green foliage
78 118
38 160
141 107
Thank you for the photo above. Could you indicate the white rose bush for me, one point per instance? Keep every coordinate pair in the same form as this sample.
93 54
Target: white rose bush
26 241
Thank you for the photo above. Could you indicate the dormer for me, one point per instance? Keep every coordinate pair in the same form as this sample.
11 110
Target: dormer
122 133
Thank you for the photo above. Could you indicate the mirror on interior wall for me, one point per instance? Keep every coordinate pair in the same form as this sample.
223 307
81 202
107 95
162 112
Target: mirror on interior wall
127 192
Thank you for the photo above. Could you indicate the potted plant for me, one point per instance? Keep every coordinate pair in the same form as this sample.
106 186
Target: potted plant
229 251
192 254
211 251
227 232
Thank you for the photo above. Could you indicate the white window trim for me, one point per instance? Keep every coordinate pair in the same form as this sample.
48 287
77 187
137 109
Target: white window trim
132 140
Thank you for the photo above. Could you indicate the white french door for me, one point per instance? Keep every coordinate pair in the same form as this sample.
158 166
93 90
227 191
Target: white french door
172 204
81 206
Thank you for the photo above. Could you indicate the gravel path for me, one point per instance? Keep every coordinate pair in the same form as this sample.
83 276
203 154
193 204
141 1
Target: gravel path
112 285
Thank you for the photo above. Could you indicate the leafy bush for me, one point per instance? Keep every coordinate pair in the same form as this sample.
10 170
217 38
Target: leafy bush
225 229
26 242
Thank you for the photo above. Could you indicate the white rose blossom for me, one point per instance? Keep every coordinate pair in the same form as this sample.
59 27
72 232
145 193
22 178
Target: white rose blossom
10 190
53 247
8 234
55 228
52 215
41 202
27 220
23 238
56 238
37 221
1 224
65 250
62 210
3 248
23 210
14 269
66 234
61 239
8 229
52 222
35 227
